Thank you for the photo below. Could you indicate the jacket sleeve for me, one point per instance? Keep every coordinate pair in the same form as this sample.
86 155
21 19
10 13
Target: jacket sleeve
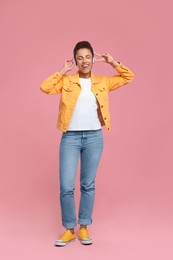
53 84
125 76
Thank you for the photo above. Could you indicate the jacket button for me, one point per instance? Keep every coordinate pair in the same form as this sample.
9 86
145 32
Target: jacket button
105 118
96 94
101 106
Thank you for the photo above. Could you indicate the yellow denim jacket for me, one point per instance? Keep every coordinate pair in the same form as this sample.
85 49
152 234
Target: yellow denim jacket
69 87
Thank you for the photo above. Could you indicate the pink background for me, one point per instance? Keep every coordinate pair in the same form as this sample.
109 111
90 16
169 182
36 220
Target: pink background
134 196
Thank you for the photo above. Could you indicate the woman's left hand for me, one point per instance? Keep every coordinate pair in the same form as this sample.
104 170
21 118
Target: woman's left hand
106 57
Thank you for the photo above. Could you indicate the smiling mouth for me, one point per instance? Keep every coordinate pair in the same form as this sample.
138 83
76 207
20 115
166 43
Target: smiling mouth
85 66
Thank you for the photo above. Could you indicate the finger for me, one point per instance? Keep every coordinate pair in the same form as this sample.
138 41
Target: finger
97 54
69 62
105 54
98 60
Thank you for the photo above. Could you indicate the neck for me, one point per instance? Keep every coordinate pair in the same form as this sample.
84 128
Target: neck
85 76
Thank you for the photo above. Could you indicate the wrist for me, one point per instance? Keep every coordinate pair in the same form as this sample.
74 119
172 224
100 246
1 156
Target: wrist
63 71
115 64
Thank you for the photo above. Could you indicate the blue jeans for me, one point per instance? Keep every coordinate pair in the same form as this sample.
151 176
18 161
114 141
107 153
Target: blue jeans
88 146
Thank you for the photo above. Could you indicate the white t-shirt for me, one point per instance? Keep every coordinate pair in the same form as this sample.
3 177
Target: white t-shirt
85 116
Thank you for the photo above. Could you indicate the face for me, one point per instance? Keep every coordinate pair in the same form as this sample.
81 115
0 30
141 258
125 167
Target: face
84 61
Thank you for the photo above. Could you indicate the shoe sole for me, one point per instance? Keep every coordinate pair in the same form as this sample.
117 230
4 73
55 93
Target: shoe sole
60 244
86 242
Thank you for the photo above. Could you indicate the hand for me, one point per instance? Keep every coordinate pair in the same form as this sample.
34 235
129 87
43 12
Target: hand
68 65
106 57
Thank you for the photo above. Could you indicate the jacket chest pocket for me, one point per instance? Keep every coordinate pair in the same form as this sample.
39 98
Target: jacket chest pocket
102 92
67 92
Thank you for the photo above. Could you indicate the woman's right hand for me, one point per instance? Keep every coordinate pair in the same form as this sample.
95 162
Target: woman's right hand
68 65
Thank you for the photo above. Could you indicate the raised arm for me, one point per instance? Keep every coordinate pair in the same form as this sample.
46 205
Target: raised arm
125 74
53 84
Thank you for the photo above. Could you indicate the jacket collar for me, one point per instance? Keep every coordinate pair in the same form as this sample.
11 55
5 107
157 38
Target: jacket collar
75 78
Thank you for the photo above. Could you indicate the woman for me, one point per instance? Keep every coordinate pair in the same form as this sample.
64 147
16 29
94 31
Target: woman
83 110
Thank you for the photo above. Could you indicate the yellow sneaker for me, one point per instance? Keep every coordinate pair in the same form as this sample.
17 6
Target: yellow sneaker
66 238
84 237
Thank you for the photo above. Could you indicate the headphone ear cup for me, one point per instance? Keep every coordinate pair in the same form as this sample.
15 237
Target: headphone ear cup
74 61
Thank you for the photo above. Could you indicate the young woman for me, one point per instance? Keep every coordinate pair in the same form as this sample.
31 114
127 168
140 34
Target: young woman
83 110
